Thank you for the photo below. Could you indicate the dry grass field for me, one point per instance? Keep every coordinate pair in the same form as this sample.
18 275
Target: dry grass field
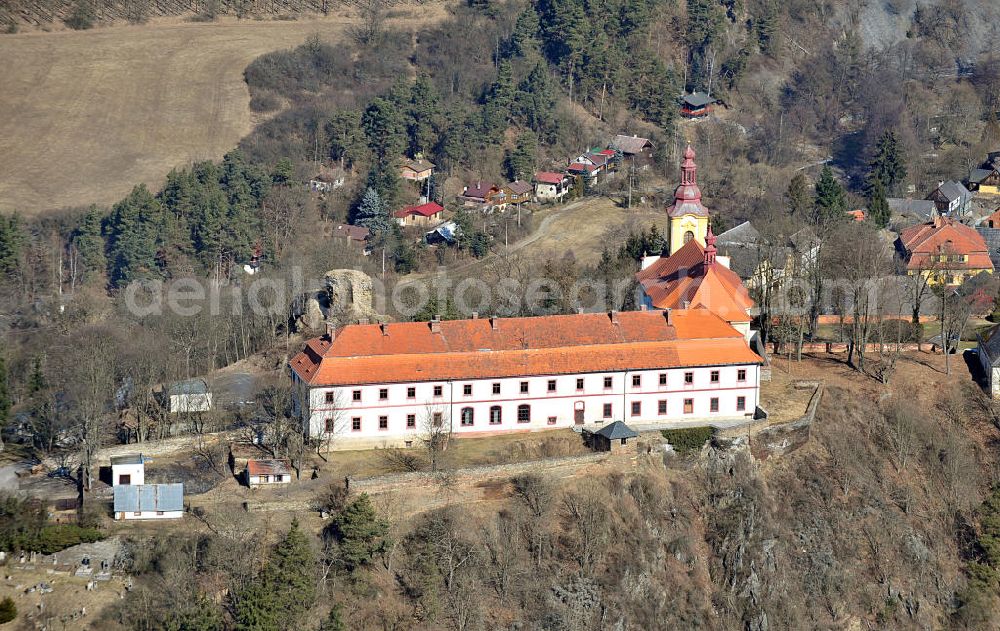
85 115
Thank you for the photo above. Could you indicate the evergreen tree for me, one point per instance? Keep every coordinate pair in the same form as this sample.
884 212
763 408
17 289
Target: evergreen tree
424 113
797 197
5 399
12 239
36 380
383 126
386 182
888 165
283 171
360 532
285 590
766 27
878 207
830 201
372 214
335 621
704 23
524 40
499 100
520 163
8 610
132 231
89 242
348 142
535 104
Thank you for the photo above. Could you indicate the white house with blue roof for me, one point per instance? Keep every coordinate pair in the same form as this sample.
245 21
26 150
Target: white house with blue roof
149 501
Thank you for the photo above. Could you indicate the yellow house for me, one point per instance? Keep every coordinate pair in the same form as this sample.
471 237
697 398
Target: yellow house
985 181
688 218
944 251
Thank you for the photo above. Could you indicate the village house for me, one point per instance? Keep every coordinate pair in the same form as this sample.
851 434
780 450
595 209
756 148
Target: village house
128 469
354 235
416 170
518 192
419 215
183 397
991 237
485 196
951 198
613 437
691 276
149 501
989 360
551 186
393 383
267 472
327 179
447 233
762 262
944 250
588 171
985 181
697 105
636 151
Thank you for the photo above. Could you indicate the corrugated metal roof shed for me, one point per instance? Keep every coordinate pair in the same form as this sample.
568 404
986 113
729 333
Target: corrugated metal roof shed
137 498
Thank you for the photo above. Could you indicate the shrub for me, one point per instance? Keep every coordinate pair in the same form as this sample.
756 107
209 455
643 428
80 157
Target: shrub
8 610
687 439
58 537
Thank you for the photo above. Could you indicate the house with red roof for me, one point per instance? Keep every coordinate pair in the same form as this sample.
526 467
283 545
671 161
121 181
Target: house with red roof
485 196
419 214
945 251
369 385
551 186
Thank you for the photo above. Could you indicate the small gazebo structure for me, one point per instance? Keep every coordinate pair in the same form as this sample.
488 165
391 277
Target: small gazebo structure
613 437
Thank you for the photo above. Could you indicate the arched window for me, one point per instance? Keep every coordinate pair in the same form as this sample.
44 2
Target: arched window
524 414
467 417
496 415
688 236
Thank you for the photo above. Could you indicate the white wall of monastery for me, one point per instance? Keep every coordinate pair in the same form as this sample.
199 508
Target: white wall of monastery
387 414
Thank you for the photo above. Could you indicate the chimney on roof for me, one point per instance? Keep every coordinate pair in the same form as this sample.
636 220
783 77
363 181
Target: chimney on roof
331 331
475 315
436 324
614 316
643 307
493 323
362 320
670 319
687 304
579 310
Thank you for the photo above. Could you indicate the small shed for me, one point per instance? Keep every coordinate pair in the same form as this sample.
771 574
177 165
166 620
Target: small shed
697 105
613 437
127 469
260 472
149 501
190 395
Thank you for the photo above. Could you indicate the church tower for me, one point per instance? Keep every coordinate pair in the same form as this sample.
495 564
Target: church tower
687 218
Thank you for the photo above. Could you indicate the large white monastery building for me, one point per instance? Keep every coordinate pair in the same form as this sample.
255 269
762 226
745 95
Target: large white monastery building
390 384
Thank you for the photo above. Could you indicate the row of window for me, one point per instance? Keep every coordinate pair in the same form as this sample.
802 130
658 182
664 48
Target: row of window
467 415
411 391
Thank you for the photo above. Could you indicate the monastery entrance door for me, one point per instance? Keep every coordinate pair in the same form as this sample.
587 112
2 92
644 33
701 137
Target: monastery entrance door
578 412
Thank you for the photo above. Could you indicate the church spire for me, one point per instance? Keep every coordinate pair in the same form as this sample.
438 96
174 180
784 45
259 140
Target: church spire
710 250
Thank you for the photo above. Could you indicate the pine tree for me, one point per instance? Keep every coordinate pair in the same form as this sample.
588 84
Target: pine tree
348 142
524 40
335 621
360 532
285 590
888 165
89 242
36 380
535 104
878 206
830 201
12 239
5 398
424 113
8 610
386 182
499 100
766 27
520 163
133 228
372 214
283 171
797 197
382 122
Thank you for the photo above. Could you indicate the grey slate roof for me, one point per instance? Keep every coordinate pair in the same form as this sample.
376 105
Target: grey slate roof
630 145
127 459
952 190
920 208
990 344
992 238
978 175
189 386
136 498
616 430
743 234
698 99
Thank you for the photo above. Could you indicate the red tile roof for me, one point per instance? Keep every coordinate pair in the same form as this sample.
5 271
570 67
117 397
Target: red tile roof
546 345
684 278
425 210
269 467
547 177
944 236
579 166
